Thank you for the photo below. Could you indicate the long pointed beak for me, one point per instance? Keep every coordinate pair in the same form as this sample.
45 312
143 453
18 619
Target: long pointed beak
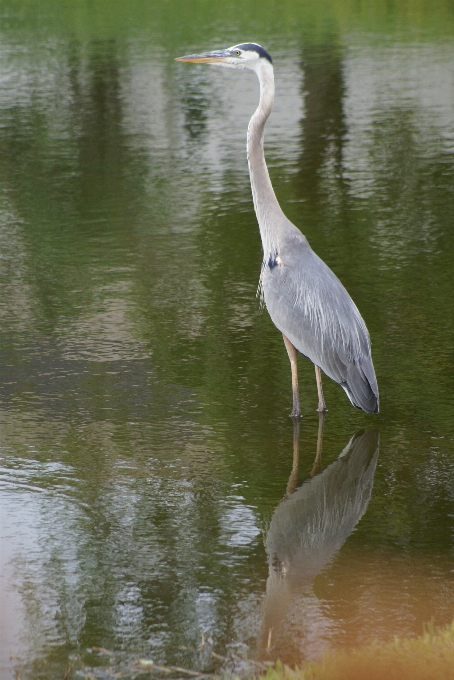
217 57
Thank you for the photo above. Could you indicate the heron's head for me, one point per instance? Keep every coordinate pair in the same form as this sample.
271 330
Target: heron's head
245 56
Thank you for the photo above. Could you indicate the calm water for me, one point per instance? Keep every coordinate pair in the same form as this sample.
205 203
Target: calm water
153 503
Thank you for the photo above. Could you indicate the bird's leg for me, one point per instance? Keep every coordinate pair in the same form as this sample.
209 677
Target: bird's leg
318 458
321 402
293 356
293 479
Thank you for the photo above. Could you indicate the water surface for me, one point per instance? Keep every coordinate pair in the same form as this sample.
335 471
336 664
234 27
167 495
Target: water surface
147 460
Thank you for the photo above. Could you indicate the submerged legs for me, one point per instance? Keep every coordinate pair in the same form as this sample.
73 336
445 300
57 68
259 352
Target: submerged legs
293 479
317 465
318 458
293 356
321 402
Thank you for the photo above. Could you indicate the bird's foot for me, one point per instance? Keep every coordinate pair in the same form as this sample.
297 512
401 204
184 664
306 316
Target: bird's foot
295 414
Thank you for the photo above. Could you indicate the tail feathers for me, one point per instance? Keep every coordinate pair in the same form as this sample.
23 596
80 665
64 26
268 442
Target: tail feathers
359 389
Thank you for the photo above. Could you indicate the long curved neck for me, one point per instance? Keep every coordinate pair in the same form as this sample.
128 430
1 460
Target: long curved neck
267 209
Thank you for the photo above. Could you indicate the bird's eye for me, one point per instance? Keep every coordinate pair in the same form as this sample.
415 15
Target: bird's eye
238 53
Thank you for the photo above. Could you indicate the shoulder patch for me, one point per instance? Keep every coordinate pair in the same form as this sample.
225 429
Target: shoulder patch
275 261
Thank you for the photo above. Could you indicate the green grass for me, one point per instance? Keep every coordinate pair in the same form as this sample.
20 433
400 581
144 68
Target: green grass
428 657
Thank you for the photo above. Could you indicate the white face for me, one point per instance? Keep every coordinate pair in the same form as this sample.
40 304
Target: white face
241 59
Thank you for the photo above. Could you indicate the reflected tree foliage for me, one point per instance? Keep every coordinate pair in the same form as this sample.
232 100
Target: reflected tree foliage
103 156
323 126
69 176
195 110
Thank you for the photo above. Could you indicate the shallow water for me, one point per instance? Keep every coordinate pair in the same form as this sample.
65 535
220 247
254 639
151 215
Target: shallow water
152 496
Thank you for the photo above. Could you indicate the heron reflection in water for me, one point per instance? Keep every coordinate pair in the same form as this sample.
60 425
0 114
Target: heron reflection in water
307 528
305 299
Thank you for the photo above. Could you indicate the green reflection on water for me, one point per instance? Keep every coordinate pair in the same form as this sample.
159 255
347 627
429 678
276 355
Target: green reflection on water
144 398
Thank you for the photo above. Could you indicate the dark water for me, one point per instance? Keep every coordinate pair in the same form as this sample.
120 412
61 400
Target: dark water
147 460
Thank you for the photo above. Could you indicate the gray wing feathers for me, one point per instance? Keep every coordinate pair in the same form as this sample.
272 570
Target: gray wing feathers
308 303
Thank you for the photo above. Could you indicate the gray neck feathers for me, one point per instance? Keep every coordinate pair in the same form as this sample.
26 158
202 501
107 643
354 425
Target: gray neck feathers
267 209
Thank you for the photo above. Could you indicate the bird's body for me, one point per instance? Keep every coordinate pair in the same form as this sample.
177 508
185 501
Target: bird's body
310 306
305 299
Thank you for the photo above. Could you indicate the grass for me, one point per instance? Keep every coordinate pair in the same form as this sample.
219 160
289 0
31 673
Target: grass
428 657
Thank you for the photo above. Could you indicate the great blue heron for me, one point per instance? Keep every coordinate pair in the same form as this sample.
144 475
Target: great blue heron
305 300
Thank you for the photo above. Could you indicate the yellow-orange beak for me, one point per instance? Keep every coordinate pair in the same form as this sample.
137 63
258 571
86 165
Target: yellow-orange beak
217 57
